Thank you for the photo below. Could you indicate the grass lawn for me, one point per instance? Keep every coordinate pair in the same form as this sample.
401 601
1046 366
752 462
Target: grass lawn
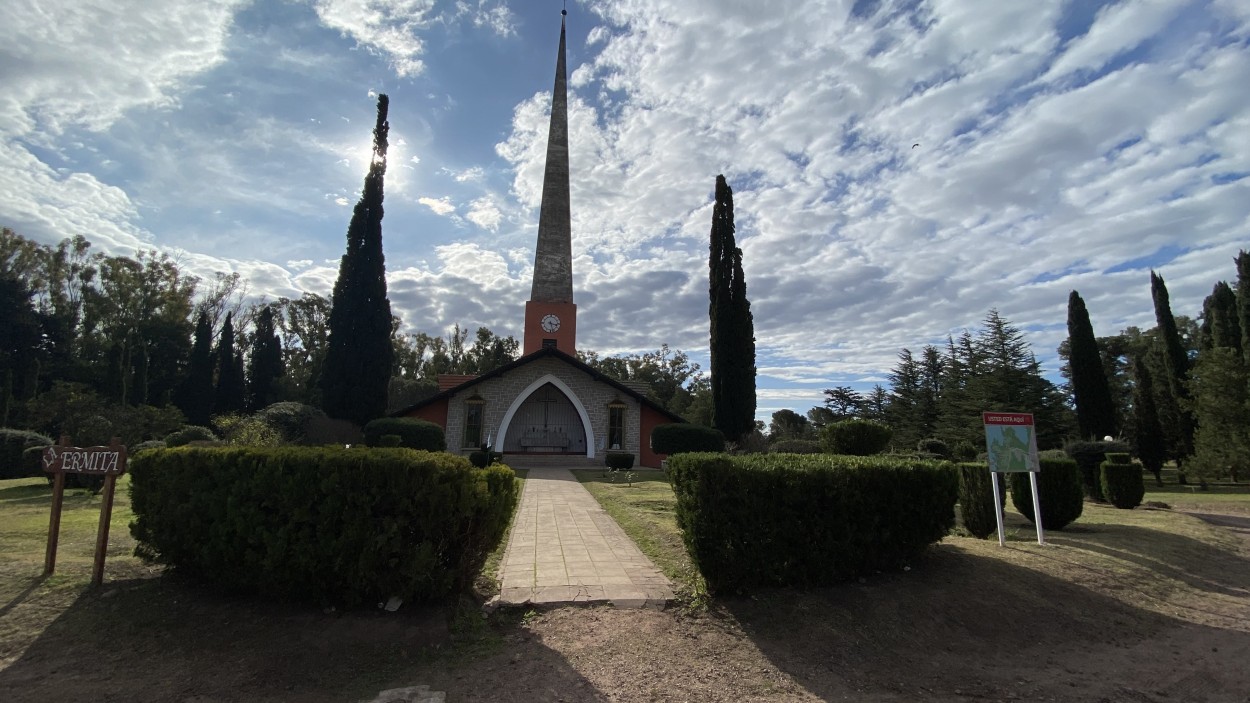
1221 497
646 510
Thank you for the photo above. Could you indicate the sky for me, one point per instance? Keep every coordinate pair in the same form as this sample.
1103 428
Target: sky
899 168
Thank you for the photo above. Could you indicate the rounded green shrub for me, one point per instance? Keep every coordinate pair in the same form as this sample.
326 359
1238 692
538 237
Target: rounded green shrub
857 437
964 451
1122 481
934 446
1058 490
150 444
976 499
390 440
683 437
290 419
1089 457
13 443
619 460
482 458
415 434
188 434
795 446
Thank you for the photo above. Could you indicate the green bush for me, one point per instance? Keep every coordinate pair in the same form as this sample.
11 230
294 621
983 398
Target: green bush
247 431
329 525
976 499
1089 457
1058 490
482 458
934 446
150 444
188 434
13 443
785 519
964 451
857 437
390 440
795 446
1122 481
619 460
290 419
415 434
683 437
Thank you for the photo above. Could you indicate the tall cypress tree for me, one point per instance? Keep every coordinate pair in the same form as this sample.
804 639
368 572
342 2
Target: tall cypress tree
266 363
195 393
732 328
139 387
359 355
1220 324
1243 302
1151 445
1095 413
1176 362
230 389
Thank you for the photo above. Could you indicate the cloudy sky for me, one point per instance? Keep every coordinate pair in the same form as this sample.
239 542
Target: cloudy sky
1062 145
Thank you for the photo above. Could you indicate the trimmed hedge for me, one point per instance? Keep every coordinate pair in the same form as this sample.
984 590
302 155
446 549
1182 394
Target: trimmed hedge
786 519
1059 491
413 433
681 437
795 446
976 499
1122 481
1089 456
333 525
857 437
13 444
934 446
619 460
482 458
290 419
189 434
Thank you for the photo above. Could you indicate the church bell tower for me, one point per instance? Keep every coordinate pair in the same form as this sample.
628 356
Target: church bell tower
550 315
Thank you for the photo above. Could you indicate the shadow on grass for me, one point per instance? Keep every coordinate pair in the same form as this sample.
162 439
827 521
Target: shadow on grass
959 625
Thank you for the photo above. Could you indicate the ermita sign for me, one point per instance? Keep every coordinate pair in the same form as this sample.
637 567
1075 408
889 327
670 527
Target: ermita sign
62 458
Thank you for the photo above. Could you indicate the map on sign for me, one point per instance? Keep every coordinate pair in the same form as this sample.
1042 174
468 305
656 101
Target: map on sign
1010 442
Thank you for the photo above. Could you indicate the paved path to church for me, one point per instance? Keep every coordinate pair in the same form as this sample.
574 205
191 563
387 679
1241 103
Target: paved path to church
565 549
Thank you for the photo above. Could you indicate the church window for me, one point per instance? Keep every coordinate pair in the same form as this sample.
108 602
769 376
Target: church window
616 426
473 423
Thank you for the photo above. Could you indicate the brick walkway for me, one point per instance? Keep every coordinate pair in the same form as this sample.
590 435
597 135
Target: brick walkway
565 549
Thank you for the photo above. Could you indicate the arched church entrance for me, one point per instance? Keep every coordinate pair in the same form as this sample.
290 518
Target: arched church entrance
546 422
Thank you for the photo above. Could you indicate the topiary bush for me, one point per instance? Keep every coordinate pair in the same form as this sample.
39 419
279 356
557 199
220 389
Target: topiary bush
415 434
13 444
682 437
934 446
964 451
784 519
1058 490
143 446
856 437
325 524
390 440
976 499
795 446
188 434
619 460
290 419
1122 481
1089 457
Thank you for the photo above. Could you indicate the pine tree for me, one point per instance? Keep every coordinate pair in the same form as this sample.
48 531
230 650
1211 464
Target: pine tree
195 393
1151 444
1243 302
357 367
139 386
266 363
1095 413
1220 402
230 388
732 329
1220 324
1176 362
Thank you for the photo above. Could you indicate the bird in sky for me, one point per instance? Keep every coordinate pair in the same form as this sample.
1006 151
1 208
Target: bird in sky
915 145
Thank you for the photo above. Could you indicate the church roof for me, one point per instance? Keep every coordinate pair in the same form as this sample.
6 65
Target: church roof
535 356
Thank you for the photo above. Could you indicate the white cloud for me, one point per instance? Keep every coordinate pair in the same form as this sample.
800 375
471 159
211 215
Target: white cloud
388 27
471 174
441 206
492 14
485 214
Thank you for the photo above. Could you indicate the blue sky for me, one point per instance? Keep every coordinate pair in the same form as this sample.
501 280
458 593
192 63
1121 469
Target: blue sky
1063 145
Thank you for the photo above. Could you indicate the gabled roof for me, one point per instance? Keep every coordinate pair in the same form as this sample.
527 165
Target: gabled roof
530 358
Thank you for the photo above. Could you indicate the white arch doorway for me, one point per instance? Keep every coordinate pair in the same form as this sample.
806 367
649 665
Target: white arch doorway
582 416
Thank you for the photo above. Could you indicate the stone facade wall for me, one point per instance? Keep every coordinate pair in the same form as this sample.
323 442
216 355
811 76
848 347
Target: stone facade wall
500 392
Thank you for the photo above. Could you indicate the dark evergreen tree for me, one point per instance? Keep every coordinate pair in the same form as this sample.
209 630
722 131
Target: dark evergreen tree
20 335
115 380
266 368
138 394
1150 442
732 329
1176 362
230 386
1095 413
1220 324
359 356
195 394
1243 302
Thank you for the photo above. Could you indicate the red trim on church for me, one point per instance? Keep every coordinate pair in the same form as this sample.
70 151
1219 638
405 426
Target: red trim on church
565 336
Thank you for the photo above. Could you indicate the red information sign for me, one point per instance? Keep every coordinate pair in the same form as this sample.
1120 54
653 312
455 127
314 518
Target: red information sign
61 459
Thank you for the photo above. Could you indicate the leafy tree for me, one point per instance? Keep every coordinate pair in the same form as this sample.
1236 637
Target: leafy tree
195 395
21 336
359 356
820 416
265 370
303 327
1220 401
787 424
1095 413
843 403
1149 435
139 381
1220 325
732 329
672 380
1176 363
229 397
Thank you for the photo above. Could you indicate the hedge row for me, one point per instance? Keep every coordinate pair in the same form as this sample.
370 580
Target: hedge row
682 437
345 526
786 519
412 433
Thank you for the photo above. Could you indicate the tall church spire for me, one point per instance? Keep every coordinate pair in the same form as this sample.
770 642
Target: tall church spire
553 259
550 315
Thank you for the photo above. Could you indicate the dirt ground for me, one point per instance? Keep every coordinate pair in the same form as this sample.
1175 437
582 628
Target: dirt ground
1155 608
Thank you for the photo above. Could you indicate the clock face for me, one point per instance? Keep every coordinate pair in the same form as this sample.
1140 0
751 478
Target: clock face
550 323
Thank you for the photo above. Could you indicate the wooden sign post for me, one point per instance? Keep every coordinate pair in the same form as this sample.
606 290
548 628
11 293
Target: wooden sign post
61 459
